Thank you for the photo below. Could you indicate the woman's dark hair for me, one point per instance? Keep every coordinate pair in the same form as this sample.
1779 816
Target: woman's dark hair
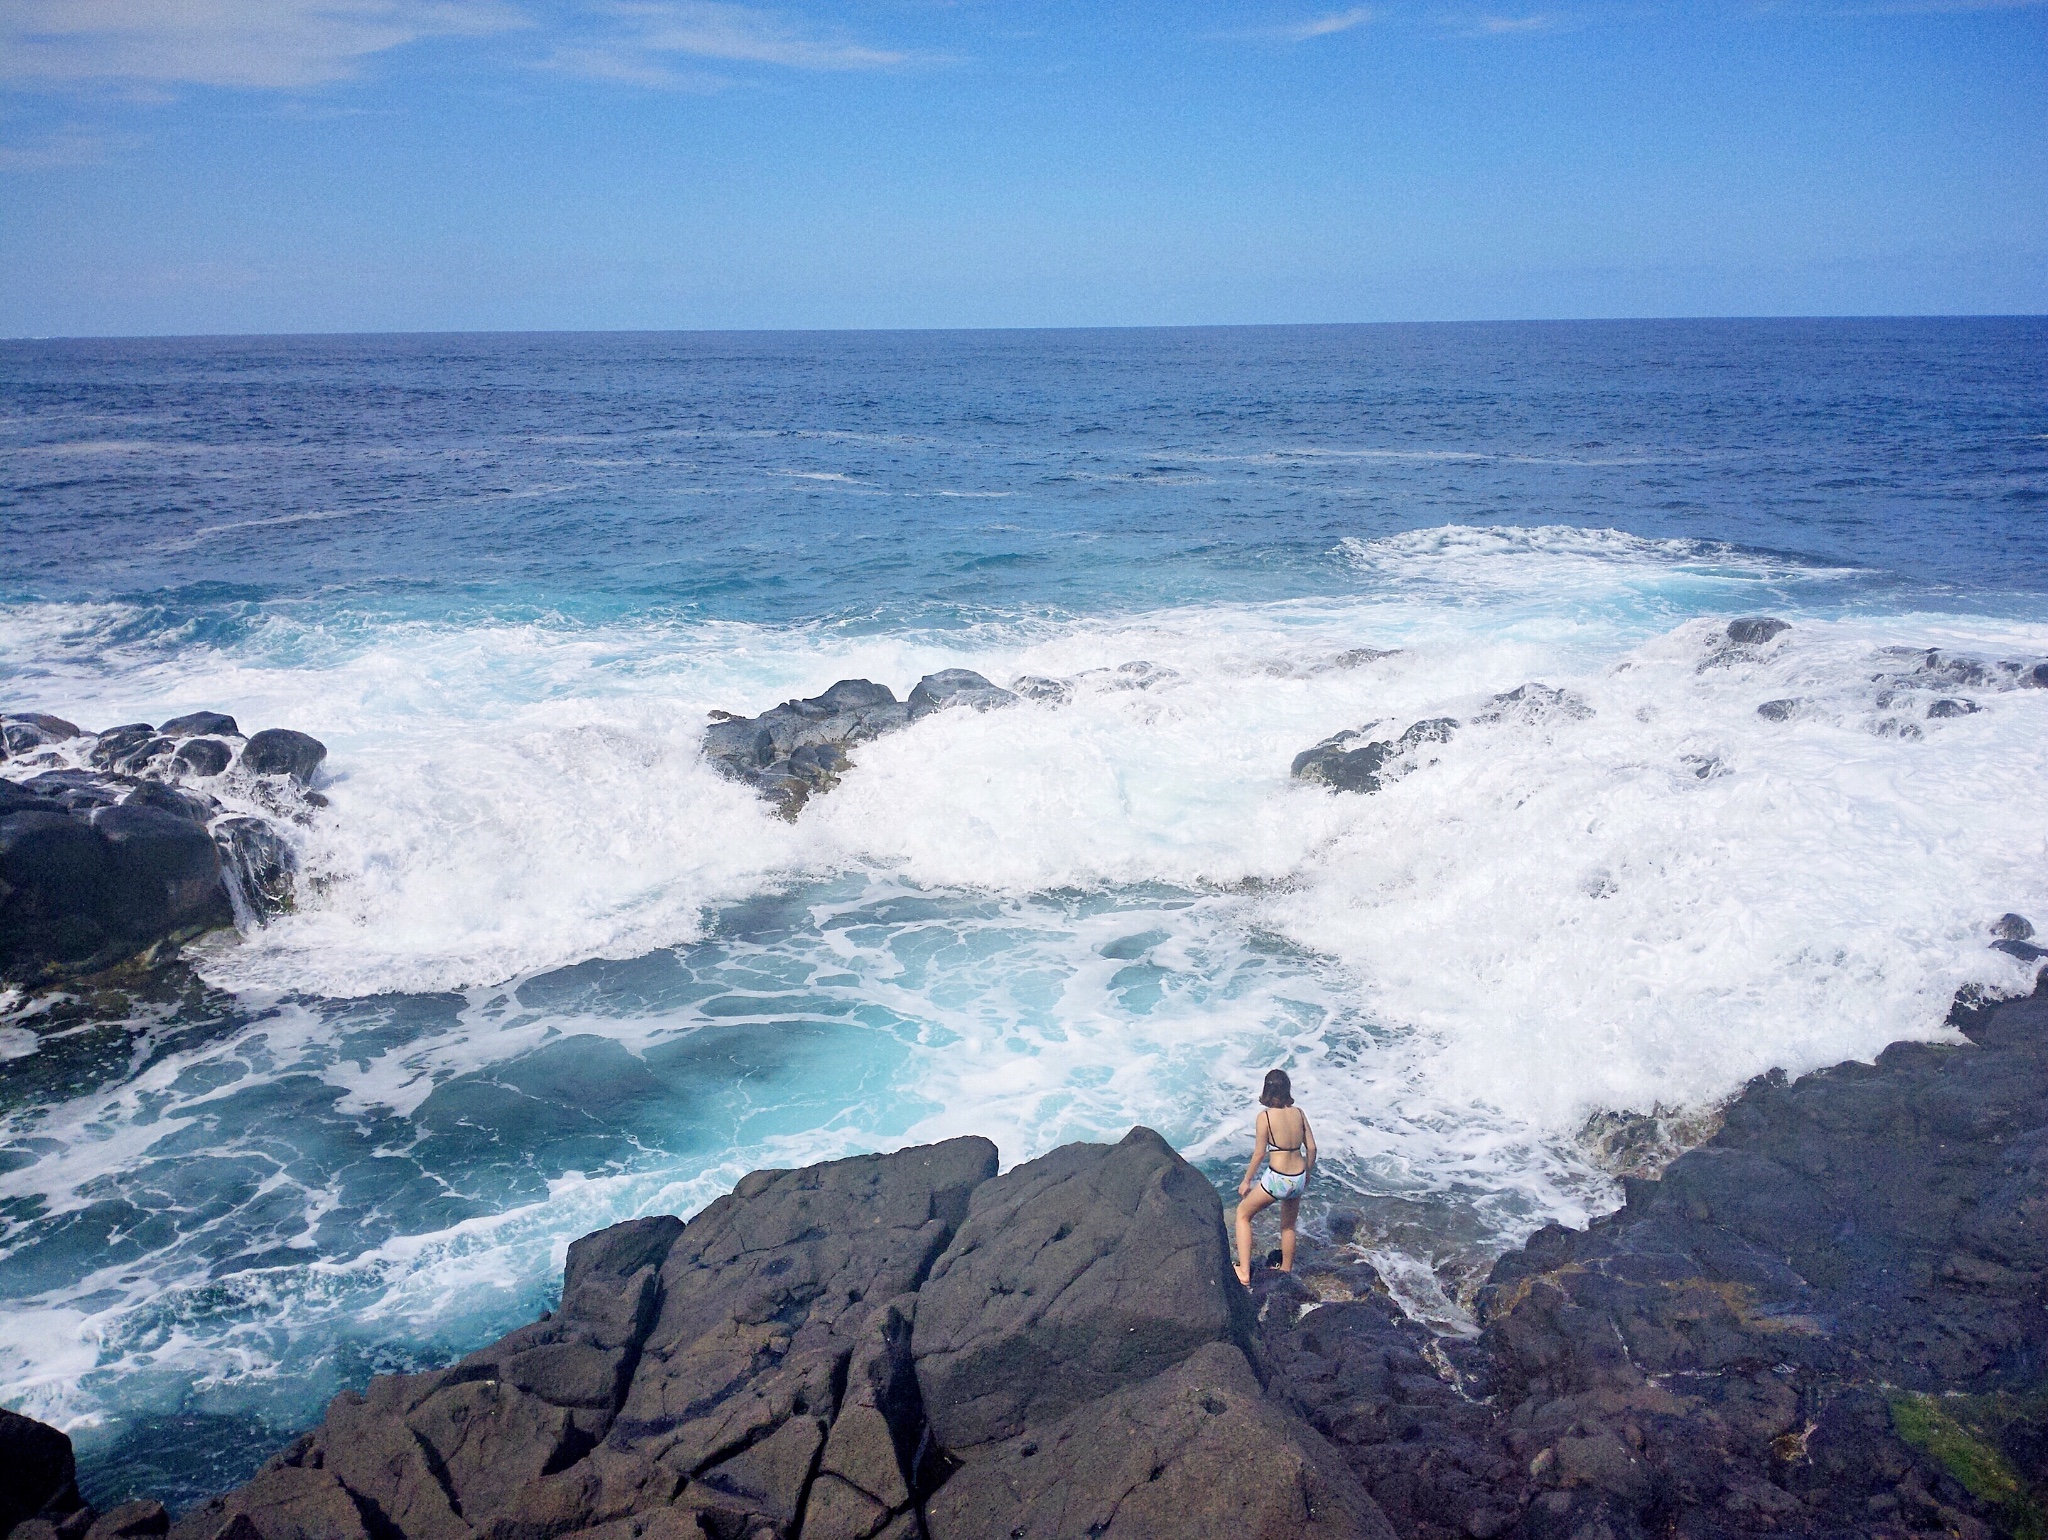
1278 1093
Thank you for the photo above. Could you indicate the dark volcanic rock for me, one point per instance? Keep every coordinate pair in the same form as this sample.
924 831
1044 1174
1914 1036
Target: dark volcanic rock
956 687
1197 1449
36 1471
1366 768
101 864
1074 1276
1755 630
203 756
280 751
199 724
32 730
761 1372
799 749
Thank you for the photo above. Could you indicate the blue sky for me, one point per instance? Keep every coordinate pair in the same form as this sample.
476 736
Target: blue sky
176 166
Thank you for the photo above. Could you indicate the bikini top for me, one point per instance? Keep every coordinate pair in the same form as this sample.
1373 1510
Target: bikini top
1300 1147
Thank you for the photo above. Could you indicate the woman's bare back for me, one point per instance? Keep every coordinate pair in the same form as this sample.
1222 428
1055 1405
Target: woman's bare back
1287 1133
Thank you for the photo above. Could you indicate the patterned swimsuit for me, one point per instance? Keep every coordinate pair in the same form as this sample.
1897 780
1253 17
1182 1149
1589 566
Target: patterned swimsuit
1284 1187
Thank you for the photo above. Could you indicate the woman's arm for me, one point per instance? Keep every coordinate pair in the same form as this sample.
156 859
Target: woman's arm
1308 1136
1258 1154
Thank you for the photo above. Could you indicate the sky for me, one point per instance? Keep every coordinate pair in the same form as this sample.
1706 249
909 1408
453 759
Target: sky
224 166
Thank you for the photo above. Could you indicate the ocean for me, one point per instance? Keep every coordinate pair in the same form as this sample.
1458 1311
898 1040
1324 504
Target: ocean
549 971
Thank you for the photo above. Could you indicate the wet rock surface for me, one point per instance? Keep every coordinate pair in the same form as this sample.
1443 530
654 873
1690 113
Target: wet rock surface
799 749
1829 1319
115 843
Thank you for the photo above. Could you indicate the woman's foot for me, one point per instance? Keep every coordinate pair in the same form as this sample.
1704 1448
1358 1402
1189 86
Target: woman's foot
1244 1276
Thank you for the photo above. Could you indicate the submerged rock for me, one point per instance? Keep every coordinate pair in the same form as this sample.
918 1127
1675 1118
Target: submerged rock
103 856
798 749
1533 703
1367 766
1755 630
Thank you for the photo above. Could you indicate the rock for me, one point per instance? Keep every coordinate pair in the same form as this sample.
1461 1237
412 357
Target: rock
2013 927
956 687
798 749
165 874
203 756
767 1294
1533 703
1055 692
1075 1275
1336 764
28 731
55 877
256 858
36 1470
131 1521
1755 630
1949 707
1778 710
280 751
132 860
284 1502
200 724
1194 1450
128 749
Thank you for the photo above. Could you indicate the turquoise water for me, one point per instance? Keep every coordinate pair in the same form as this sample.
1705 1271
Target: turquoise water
550 972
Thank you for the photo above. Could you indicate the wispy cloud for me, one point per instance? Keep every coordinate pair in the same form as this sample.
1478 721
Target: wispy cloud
1302 31
1505 26
644 39
63 150
254 44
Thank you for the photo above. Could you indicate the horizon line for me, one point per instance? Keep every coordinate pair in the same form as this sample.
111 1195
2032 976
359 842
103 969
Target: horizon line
1145 326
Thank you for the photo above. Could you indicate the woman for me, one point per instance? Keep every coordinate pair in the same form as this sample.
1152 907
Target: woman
1283 1141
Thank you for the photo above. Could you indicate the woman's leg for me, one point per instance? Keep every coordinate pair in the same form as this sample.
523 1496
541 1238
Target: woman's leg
1290 1209
1250 1204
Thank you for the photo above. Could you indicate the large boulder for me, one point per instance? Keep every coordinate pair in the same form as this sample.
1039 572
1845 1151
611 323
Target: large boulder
197 724
30 730
281 751
166 874
1074 1276
36 1470
956 687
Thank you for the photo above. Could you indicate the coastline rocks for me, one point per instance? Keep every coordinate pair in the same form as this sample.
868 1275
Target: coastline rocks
104 854
796 750
787 1365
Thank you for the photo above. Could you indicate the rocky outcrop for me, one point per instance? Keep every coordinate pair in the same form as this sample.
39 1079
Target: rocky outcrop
799 749
890 1346
113 843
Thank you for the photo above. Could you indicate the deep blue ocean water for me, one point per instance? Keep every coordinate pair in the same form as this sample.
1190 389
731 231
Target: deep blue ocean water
548 971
